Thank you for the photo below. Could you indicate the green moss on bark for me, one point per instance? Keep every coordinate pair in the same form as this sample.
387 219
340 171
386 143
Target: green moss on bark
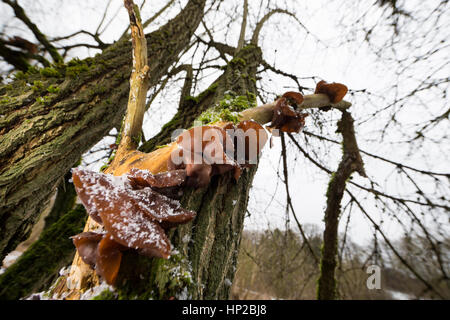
40 264
106 295
64 202
142 278
228 108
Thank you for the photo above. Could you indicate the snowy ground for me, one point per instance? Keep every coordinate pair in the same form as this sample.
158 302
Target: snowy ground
397 295
10 259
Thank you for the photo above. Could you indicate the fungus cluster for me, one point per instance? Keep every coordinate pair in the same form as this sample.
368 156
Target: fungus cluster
136 205
335 91
287 116
133 214
212 150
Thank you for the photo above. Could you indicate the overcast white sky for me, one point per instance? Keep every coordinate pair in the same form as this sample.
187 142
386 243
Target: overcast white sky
321 53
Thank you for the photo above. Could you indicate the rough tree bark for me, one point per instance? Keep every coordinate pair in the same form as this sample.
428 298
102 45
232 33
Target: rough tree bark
50 117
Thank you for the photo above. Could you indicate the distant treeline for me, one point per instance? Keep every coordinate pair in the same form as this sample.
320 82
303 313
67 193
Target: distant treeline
278 264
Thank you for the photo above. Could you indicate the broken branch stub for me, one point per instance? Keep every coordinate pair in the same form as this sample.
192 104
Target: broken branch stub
139 85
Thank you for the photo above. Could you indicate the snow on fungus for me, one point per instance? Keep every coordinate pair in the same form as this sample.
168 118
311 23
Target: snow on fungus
143 178
133 214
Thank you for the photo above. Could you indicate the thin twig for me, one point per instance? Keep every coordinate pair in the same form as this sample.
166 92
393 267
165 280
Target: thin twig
20 14
289 199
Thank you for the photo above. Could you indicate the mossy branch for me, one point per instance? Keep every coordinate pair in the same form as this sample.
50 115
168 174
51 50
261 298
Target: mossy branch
351 161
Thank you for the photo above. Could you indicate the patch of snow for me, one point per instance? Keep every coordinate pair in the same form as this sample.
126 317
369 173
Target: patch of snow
228 282
2 270
11 258
397 295
186 238
64 271
95 291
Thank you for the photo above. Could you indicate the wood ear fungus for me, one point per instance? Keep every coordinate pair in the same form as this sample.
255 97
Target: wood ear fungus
109 256
212 150
286 115
144 178
86 244
134 218
335 91
101 253
253 137
203 151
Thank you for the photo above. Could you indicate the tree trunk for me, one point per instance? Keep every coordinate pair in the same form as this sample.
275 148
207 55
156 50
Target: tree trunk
46 127
63 221
204 261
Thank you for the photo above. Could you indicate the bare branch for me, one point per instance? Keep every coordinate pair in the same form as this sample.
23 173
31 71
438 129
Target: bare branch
243 27
151 19
101 44
397 254
289 199
20 14
398 164
156 15
260 24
